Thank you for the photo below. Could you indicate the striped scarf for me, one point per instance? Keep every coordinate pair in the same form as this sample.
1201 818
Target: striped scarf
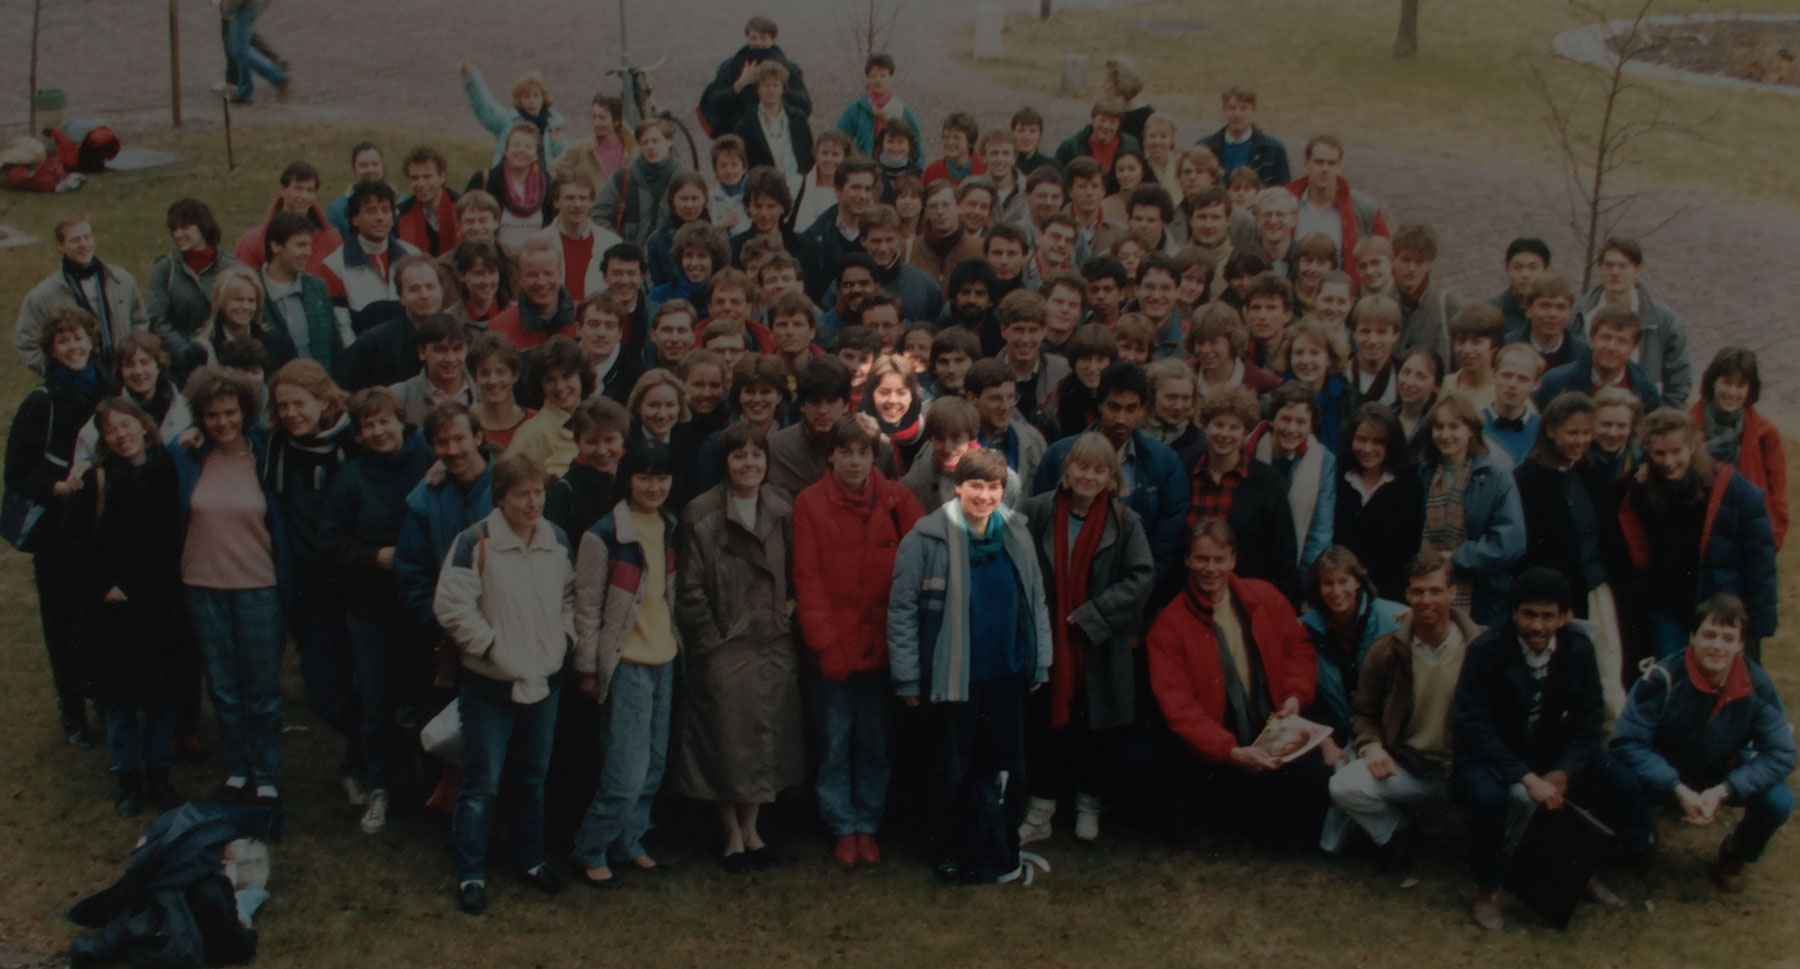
1444 525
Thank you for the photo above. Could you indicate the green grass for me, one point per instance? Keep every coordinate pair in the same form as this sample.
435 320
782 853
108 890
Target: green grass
343 899
1327 65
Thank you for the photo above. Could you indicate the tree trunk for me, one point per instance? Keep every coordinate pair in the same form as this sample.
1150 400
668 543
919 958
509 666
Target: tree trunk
1406 42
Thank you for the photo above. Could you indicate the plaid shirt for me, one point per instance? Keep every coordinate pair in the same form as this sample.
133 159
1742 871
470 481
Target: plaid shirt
1211 499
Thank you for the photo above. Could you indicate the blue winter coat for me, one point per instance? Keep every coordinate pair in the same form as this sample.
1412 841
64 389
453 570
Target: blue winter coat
1670 733
1737 547
364 512
1494 522
1579 375
435 515
1160 491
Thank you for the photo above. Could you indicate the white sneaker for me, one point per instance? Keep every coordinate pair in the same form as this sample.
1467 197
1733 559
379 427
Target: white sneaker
1036 826
353 789
375 818
1087 817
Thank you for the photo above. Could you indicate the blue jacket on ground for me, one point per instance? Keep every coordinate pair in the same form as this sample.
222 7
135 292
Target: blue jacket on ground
1160 490
1673 732
435 515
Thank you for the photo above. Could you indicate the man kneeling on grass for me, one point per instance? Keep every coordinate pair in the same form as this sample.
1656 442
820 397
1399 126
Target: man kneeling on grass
1686 729
969 634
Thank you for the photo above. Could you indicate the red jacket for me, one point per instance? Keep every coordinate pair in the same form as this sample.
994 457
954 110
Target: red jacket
843 570
1189 682
1358 215
507 323
326 240
1762 462
409 224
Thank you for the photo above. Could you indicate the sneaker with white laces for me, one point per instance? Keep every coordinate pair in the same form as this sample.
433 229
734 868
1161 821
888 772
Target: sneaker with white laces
353 790
1036 825
375 818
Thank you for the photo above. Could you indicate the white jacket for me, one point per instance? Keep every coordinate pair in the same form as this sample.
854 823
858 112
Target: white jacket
509 606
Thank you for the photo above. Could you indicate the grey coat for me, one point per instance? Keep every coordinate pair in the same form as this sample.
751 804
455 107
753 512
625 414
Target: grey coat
1428 327
180 301
1119 586
738 734
125 311
1663 342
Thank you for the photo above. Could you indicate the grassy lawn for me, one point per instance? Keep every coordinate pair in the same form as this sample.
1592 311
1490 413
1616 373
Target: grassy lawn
343 899
1326 65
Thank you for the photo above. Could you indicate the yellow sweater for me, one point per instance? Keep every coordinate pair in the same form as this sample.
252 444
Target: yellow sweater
545 436
651 641
1434 686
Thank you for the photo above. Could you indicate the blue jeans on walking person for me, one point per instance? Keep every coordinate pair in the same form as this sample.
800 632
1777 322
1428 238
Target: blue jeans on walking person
376 647
500 737
250 63
241 635
140 739
327 666
850 722
636 749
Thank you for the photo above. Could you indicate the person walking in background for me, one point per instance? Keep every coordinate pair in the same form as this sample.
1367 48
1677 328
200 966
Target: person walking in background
240 17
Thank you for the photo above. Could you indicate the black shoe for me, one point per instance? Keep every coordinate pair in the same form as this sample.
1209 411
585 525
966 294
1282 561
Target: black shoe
130 802
544 880
472 898
270 801
161 792
738 862
79 736
1397 854
763 858
949 871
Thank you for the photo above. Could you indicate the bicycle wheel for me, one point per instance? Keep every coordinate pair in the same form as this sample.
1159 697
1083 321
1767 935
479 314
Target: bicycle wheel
687 138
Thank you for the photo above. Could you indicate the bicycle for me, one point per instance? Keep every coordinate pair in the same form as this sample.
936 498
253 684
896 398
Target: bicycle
639 98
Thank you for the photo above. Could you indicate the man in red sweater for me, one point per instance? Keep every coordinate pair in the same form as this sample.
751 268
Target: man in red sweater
1226 656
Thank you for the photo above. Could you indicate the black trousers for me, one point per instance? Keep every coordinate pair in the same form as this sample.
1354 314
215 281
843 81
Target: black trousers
59 607
1074 758
1277 808
973 742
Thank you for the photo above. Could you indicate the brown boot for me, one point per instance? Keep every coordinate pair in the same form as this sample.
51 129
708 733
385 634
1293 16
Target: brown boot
1490 912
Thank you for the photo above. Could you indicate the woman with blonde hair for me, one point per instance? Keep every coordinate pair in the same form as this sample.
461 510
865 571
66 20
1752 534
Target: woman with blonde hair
237 316
1098 572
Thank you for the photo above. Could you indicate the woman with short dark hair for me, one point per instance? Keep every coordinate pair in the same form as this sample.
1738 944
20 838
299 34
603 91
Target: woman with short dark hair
1738 434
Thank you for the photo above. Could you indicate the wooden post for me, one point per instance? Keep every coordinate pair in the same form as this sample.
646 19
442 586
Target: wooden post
1044 10
175 61
230 153
31 95
1406 39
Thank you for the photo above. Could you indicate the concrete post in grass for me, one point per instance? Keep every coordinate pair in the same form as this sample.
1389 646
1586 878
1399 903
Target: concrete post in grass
1074 75
990 18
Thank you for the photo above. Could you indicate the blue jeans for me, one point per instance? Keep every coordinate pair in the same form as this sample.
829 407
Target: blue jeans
250 63
635 741
1764 814
327 666
140 738
850 722
241 635
497 734
376 646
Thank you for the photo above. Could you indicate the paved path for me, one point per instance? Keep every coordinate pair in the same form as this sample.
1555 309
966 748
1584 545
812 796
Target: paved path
1729 269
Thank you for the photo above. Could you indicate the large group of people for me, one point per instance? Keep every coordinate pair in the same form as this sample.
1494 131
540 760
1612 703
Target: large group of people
983 484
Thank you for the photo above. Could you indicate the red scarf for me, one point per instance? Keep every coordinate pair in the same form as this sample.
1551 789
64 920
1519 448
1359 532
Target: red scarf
1736 687
199 259
1071 568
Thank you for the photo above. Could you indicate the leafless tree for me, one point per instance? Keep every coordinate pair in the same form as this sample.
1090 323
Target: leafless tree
1406 42
871 23
1601 120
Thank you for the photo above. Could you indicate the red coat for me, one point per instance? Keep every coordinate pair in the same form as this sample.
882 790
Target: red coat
843 570
1762 462
1189 682
326 240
